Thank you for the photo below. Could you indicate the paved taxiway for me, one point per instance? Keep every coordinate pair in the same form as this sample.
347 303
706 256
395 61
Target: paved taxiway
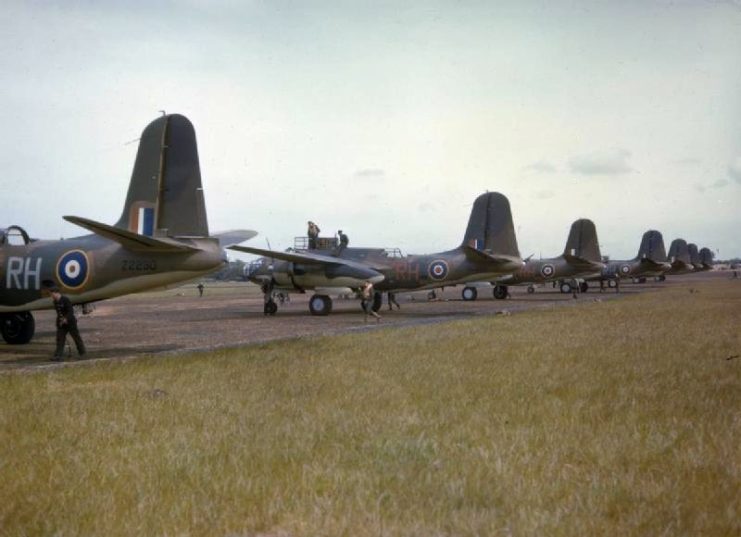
230 315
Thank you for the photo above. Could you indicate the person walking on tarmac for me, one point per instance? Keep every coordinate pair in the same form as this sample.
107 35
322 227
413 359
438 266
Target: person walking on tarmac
313 233
66 324
392 301
367 301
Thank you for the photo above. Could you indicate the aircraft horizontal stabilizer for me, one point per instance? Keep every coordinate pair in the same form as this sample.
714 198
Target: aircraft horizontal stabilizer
505 262
582 263
303 257
234 236
128 239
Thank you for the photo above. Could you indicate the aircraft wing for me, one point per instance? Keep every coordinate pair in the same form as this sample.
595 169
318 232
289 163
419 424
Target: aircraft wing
302 257
507 261
234 236
128 239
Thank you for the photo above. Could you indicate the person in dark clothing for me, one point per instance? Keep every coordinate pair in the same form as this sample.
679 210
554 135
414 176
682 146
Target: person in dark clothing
200 289
392 301
66 324
344 240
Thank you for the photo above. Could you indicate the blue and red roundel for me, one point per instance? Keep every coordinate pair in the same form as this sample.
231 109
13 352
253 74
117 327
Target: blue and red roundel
438 270
548 270
72 269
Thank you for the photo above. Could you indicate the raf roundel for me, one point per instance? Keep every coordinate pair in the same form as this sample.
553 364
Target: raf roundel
547 270
625 269
72 269
438 270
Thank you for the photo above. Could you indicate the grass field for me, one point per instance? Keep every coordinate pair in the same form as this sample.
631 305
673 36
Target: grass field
611 418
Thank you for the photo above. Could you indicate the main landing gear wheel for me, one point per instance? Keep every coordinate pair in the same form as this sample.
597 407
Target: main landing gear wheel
565 287
320 305
500 292
377 300
469 293
270 307
17 328
611 283
583 287
530 289
661 278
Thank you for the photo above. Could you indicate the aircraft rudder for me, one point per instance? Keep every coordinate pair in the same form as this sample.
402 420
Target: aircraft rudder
165 193
490 226
582 241
652 246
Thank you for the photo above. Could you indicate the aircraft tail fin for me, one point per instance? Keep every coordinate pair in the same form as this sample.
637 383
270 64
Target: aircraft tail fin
490 227
582 242
678 251
165 196
652 247
694 254
706 257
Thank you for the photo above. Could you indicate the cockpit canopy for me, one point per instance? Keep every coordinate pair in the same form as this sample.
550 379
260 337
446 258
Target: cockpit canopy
14 235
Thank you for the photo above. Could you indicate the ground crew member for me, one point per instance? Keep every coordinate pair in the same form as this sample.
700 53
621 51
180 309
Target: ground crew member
344 241
200 289
392 301
66 324
367 302
313 233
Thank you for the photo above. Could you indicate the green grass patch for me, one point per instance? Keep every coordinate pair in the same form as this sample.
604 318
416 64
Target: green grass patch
611 418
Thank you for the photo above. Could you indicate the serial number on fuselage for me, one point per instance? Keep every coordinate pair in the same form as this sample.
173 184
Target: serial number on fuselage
128 265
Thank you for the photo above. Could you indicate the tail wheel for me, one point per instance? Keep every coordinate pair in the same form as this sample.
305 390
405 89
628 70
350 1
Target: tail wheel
17 328
377 300
583 287
469 293
611 283
565 287
320 305
500 292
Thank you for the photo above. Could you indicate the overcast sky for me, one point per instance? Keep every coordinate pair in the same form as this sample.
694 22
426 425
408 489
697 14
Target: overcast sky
386 119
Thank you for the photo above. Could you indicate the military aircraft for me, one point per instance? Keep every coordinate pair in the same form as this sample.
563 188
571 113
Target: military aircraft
679 257
161 238
706 258
694 257
489 250
581 258
650 262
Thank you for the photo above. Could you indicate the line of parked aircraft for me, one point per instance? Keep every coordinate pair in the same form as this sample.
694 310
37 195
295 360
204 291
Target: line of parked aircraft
162 238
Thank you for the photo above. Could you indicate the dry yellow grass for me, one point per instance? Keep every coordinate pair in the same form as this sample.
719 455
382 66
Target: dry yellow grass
614 418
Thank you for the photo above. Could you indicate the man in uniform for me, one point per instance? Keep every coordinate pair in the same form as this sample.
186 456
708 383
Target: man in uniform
66 324
344 240
313 233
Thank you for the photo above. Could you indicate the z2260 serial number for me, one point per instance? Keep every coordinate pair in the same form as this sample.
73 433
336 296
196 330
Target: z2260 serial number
138 266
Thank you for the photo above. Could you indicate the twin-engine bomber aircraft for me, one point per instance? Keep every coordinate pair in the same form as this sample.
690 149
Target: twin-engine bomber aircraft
581 258
161 238
651 261
679 257
489 250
